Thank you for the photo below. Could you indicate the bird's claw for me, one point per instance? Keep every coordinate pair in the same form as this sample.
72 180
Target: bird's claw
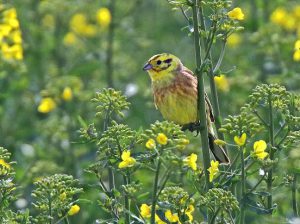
192 127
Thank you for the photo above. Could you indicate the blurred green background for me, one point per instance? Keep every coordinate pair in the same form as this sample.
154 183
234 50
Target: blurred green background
72 49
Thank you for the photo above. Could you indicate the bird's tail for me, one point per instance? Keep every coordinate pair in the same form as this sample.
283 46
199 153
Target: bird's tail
217 150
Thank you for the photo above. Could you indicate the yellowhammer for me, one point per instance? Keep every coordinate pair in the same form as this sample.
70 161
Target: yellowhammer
175 95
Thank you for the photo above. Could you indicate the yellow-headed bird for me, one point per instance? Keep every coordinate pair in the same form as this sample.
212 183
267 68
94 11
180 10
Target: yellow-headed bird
175 95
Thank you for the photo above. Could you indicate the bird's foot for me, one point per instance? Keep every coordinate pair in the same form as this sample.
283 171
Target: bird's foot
192 127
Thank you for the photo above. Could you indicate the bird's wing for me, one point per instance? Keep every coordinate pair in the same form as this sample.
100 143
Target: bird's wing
209 106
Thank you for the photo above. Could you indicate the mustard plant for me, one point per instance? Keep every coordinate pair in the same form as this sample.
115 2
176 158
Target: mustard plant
55 198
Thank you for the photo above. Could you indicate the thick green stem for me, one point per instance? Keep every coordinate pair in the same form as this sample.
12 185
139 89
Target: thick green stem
109 50
272 141
154 196
213 89
294 196
243 188
201 98
126 202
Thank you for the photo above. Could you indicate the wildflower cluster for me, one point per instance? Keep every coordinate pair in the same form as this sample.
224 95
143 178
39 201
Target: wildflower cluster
7 185
58 92
10 35
287 19
175 205
8 190
54 197
217 199
80 26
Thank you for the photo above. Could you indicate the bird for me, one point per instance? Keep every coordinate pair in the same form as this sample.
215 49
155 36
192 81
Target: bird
175 95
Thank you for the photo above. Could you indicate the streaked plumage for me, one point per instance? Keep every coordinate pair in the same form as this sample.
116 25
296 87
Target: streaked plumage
175 95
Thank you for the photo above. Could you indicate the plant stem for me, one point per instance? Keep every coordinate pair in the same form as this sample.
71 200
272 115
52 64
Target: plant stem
294 195
50 207
126 201
201 107
272 141
243 190
109 50
213 89
154 196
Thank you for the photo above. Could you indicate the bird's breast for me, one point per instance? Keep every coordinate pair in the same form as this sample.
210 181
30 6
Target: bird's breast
177 102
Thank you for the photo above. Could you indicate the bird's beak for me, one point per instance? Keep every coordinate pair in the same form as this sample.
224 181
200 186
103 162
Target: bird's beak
147 67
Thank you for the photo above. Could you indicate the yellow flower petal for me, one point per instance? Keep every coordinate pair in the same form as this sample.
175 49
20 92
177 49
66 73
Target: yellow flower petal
5 164
222 83
103 17
236 13
191 161
67 94
240 141
74 210
145 211
213 169
259 146
171 217
127 160
46 105
162 139
150 144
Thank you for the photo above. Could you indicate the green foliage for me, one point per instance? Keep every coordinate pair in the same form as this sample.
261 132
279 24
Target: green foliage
54 196
110 102
218 200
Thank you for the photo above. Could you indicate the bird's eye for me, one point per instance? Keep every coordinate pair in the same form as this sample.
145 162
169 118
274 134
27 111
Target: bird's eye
158 62
168 60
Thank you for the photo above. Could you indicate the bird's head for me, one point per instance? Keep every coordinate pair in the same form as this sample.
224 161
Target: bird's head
162 66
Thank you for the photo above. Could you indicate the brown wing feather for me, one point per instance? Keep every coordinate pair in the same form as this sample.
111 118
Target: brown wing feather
189 73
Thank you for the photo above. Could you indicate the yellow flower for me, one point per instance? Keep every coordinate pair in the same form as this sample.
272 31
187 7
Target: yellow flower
189 212
236 13
171 217
191 161
63 196
5 30
10 13
67 94
150 144
296 55
74 210
70 39
47 104
278 16
10 18
16 37
4 164
222 83
213 169
259 149
79 25
234 40
162 139
103 17
128 161
219 142
240 141
12 52
145 211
